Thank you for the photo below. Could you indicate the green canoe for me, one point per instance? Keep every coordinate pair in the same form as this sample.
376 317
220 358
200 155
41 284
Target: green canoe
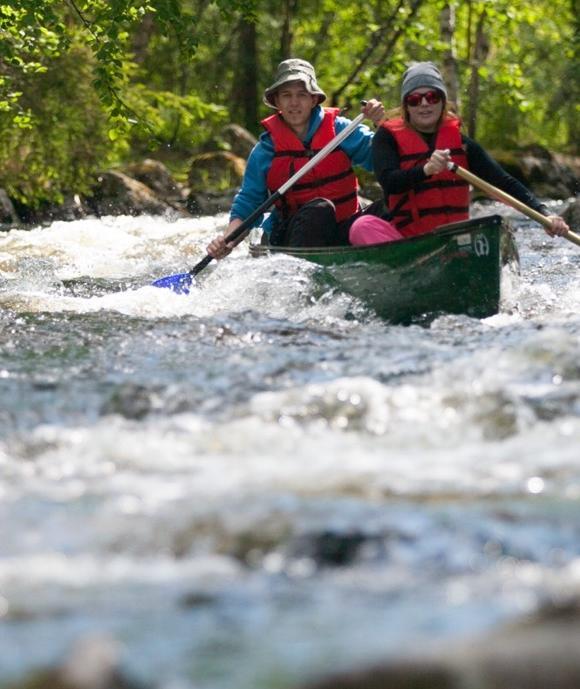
458 269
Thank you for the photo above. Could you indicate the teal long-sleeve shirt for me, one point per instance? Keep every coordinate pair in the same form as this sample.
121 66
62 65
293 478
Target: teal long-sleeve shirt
254 189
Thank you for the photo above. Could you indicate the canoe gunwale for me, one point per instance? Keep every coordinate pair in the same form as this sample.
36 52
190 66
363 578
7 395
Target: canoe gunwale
448 230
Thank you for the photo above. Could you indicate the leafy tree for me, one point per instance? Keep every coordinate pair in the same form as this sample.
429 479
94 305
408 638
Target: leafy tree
72 94
88 83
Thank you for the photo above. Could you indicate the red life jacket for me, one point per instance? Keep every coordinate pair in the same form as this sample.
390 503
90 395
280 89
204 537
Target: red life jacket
440 199
333 177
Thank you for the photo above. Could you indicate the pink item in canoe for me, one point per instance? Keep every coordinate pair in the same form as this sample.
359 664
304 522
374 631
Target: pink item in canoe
368 229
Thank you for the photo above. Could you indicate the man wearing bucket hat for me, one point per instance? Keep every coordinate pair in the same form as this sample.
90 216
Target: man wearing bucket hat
411 152
318 210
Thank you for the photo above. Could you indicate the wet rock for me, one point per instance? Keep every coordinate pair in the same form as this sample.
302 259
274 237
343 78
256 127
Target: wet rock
209 203
8 215
135 401
72 208
570 161
118 194
370 189
245 543
330 549
535 653
239 140
427 675
93 663
218 171
571 214
131 401
541 171
197 599
539 651
157 177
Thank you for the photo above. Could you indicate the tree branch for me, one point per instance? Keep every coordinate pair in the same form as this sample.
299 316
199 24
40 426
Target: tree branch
415 5
84 21
376 38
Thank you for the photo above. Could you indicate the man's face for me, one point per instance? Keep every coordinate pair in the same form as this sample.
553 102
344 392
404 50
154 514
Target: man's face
295 103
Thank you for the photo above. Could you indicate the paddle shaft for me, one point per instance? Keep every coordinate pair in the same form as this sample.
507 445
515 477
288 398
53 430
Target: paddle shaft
500 195
247 224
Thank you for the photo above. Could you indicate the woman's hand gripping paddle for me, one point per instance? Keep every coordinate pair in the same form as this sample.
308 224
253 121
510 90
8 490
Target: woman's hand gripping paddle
182 282
509 200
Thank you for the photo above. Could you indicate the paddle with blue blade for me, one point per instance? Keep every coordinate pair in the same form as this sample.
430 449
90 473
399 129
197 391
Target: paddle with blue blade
182 282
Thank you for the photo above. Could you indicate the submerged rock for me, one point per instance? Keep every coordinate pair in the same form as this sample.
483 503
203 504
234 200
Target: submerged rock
93 663
403 675
538 652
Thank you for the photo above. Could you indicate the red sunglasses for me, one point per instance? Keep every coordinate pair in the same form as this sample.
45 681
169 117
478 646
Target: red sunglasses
415 99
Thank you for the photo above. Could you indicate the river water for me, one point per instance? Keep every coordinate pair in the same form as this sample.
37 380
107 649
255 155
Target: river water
261 482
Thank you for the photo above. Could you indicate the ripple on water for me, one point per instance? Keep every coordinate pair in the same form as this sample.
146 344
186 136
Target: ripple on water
220 480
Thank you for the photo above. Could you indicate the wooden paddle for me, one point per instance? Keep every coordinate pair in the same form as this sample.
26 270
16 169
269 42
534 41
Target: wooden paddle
181 282
500 195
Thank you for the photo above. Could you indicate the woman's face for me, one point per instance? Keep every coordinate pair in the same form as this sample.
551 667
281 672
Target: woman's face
424 107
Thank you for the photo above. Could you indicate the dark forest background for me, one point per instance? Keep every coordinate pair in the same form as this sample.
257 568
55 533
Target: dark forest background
88 85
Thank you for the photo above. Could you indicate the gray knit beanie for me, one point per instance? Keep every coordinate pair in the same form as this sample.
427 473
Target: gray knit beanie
419 75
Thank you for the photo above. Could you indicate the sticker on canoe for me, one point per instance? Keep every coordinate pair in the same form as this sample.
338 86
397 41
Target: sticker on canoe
481 245
478 243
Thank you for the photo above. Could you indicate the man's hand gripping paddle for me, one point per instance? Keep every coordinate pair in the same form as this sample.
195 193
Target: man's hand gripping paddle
182 282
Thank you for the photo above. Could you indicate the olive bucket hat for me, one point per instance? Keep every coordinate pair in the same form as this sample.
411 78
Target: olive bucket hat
294 70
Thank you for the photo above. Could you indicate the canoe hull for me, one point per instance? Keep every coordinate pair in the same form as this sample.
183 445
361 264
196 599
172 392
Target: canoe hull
456 269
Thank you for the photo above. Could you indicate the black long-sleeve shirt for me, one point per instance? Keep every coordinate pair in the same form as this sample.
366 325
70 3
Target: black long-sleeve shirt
393 180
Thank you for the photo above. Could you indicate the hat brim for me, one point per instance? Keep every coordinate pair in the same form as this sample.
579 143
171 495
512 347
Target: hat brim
312 88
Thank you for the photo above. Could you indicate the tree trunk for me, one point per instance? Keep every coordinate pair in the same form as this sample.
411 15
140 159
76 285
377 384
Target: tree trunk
478 56
290 8
245 86
142 37
449 64
573 119
327 21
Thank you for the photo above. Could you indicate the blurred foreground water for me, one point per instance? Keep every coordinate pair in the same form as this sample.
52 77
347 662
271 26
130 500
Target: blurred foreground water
261 482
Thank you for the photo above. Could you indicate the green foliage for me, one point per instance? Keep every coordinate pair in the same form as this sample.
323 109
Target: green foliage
247 8
31 36
54 143
89 83
179 121
524 75
67 110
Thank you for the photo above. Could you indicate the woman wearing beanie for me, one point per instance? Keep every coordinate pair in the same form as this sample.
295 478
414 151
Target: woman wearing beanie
411 152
